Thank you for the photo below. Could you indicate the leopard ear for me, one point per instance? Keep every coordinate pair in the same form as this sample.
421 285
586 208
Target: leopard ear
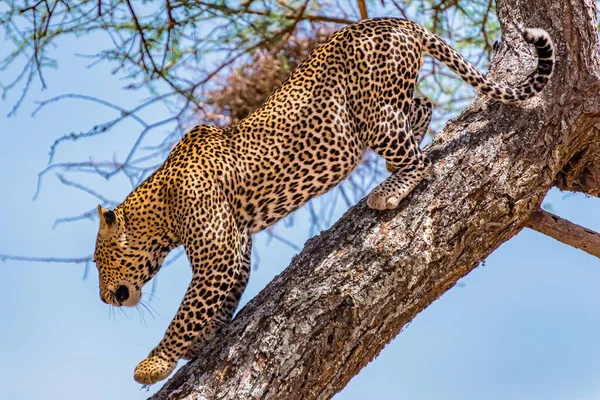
107 217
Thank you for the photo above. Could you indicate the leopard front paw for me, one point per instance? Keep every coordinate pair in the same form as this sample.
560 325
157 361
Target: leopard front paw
153 369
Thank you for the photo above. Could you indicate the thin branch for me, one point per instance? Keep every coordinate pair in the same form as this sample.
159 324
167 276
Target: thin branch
565 231
363 9
83 188
70 260
271 234
324 18
287 33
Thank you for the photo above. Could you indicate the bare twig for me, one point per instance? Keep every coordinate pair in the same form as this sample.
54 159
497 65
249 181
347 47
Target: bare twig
362 6
68 260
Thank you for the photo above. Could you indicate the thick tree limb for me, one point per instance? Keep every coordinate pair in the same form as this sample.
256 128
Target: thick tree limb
565 231
354 287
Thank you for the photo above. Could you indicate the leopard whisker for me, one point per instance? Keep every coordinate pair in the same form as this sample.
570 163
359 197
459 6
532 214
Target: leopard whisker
124 313
140 312
151 296
150 309
142 307
111 312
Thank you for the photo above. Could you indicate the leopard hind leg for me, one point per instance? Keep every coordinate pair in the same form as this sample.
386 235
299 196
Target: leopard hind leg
392 139
421 111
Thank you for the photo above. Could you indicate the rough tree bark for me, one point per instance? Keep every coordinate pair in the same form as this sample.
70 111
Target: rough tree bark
354 287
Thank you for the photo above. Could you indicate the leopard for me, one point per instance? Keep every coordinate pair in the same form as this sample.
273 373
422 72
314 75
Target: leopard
219 186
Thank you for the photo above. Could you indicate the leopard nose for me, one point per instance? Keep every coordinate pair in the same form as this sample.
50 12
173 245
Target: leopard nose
122 293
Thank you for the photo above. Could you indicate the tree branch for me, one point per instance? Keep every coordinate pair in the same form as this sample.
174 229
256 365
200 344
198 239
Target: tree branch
353 288
565 231
362 6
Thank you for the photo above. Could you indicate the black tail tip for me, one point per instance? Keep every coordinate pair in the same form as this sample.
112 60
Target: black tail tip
537 37
544 48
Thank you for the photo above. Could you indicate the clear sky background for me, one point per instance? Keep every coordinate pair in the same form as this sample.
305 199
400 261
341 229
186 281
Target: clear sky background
523 326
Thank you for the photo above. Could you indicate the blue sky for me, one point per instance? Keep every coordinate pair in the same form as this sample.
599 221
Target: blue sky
523 326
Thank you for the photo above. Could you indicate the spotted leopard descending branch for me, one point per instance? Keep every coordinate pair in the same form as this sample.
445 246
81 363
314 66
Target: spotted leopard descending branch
353 288
565 231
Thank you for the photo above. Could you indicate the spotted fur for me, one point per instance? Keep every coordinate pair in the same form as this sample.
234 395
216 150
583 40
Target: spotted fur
218 187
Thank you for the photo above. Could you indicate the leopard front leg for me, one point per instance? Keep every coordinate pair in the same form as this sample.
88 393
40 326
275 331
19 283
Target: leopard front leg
213 245
230 304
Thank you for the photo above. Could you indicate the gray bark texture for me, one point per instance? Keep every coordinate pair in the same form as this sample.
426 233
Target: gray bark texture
354 287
